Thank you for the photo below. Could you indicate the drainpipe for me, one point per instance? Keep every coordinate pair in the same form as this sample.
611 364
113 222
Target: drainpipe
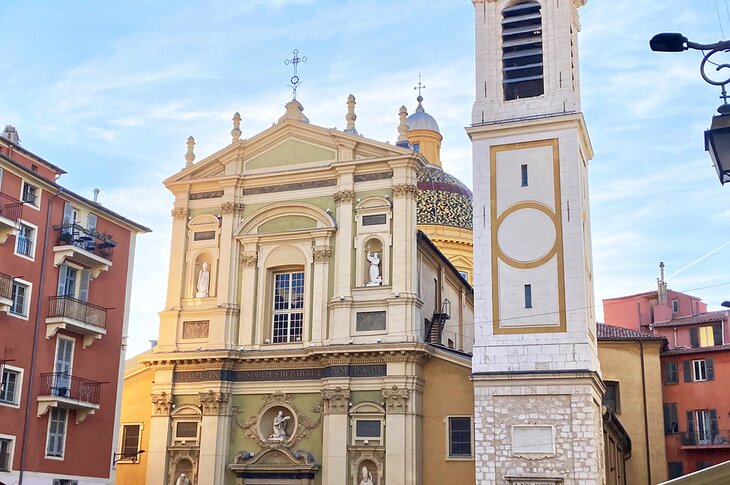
646 415
36 328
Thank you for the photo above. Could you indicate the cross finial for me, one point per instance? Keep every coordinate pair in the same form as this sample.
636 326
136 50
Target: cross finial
420 87
295 79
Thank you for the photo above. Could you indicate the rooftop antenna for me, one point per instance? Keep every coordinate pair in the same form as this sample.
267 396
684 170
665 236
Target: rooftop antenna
295 79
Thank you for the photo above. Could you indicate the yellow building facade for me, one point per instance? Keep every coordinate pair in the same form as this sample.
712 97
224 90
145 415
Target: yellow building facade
312 333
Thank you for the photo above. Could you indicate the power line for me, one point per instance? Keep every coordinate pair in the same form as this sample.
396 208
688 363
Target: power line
719 19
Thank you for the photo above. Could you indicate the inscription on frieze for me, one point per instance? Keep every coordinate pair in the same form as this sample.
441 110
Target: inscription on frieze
258 375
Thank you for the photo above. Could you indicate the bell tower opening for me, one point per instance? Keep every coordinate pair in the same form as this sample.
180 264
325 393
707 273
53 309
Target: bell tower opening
522 60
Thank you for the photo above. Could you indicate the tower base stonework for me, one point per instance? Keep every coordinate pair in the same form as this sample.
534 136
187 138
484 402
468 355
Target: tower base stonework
538 428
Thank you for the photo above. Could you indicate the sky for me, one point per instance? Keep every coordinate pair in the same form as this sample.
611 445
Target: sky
110 91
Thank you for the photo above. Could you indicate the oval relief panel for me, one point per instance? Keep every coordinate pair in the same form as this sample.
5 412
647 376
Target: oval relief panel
526 235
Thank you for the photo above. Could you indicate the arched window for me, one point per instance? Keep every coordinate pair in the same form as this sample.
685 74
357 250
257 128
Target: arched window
522 62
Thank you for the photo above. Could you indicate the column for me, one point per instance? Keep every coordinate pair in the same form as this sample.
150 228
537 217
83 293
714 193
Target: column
334 435
228 270
214 437
321 255
159 434
249 262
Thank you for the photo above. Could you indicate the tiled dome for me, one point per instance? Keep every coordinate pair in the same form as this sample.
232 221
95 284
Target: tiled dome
443 199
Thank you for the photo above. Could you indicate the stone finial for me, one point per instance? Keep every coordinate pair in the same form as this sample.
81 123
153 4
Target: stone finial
190 156
294 111
351 116
236 131
403 125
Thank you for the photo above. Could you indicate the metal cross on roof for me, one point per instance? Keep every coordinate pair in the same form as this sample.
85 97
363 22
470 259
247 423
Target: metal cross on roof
295 79
420 86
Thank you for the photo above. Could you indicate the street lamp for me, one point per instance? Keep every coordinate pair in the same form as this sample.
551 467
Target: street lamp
717 138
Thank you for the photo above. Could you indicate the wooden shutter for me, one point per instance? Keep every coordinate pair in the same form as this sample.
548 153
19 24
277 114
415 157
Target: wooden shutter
670 373
687 371
62 280
84 285
667 418
690 423
717 333
710 367
694 336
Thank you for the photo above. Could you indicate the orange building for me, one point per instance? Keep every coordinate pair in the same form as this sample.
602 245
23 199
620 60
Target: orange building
65 277
695 372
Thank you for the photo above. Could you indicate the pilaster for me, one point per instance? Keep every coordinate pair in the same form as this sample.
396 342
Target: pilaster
214 439
248 259
159 437
334 435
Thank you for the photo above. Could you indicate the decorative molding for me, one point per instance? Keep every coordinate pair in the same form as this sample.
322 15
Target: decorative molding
214 402
344 196
336 401
396 399
367 177
400 190
321 255
249 260
231 207
270 189
179 213
195 329
162 403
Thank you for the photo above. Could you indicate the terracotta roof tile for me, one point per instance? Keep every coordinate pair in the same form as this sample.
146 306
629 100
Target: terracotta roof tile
701 318
612 332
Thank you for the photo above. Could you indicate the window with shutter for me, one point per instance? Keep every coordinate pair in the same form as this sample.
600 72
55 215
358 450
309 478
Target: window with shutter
694 337
671 421
671 374
56 432
522 55
717 334
699 370
130 440
687 365
710 366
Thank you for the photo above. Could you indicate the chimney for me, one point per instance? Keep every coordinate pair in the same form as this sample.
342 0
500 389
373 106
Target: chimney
11 134
661 286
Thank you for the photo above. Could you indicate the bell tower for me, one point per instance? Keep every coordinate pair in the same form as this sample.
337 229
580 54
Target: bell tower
537 384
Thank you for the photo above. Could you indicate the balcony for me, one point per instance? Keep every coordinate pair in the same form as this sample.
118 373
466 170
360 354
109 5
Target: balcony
6 292
68 313
11 210
709 440
87 247
61 390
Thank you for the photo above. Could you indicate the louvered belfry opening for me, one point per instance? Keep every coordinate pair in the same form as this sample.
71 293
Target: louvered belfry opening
522 68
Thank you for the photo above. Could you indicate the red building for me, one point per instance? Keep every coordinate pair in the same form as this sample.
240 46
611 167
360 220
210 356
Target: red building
65 277
695 372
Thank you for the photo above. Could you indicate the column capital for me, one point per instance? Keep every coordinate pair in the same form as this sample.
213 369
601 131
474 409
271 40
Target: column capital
321 254
402 190
231 207
162 403
344 196
179 213
249 260
214 402
336 400
396 399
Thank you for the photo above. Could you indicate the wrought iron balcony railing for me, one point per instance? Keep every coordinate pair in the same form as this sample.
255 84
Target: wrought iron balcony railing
70 307
6 286
10 207
720 438
86 239
61 384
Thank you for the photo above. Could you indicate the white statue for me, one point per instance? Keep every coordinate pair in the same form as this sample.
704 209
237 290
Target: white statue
280 427
367 477
375 278
203 282
183 480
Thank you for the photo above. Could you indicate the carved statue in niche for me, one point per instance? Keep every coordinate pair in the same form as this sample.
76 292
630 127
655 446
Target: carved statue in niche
374 273
203 282
183 480
367 477
280 427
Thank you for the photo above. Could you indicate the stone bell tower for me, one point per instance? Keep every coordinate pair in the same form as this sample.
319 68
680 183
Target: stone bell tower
537 385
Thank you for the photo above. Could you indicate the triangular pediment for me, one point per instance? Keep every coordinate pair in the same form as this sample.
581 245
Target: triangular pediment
291 152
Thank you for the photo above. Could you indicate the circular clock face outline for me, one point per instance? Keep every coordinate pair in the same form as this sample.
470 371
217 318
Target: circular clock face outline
546 256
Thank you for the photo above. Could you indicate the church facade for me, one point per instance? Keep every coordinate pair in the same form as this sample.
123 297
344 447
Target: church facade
312 334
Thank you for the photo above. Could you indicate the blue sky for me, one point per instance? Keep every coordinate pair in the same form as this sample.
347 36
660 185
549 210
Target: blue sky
110 92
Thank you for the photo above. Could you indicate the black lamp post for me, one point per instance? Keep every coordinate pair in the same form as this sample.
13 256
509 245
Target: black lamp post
717 138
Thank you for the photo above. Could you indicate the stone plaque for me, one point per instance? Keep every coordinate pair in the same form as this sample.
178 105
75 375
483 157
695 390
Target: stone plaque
369 321
195 329
373 220
533 440
204 235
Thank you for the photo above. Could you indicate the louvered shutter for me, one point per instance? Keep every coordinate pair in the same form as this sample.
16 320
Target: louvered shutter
687 371
694 337
717 333
84 285
710 366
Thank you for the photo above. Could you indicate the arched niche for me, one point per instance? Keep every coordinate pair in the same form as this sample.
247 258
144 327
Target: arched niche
203 247
373 219
200 259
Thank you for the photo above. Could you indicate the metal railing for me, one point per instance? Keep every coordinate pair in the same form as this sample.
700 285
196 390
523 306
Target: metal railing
86 239
717 438
6 286
70 307
62 384
10 207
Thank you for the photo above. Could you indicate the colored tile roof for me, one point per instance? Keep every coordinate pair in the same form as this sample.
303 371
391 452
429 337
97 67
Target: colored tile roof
700 318
612 332
443 200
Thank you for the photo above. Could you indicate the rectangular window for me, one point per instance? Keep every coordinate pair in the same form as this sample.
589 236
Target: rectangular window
30 194
24 240
524 174
671 419
21 299
6 454
130 440
671 373
10 386
699 370
708 336
702 425
288 320
611 398
676 469
528 296
460 437
57 418
675 306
